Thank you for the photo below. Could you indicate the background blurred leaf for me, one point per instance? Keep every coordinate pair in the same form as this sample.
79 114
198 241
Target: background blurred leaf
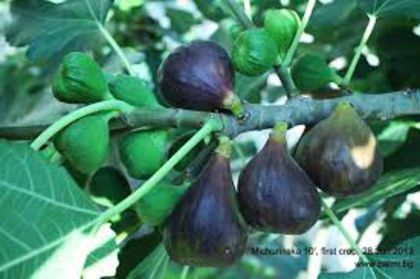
389 8
52 30
152 267
389 185
393 137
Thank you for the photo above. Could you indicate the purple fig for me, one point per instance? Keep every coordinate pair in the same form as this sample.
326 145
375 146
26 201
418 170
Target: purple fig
341 154
275 194
199 76
206 228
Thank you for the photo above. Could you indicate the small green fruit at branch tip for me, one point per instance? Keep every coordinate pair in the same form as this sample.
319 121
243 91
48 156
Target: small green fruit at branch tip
341 154
311 72
282 25
133 91
144 152
155 207
80 80
109 186
206 228
85 142
275 194
254 52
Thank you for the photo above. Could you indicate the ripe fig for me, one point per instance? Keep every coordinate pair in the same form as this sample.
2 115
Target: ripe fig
143 152
199 76
282 25
158 204
85 142
341 154
311 72
275 194
133 91
80 80
206 228
254 52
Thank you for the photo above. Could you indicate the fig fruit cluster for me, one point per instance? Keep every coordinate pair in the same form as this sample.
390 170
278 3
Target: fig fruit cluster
257 50
85 142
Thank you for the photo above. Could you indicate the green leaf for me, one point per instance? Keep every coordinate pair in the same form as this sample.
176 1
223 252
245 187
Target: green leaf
392 8
393 137
399 262
45 217
389 185
153 267
51 30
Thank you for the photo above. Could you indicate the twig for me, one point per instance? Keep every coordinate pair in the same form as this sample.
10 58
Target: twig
297 111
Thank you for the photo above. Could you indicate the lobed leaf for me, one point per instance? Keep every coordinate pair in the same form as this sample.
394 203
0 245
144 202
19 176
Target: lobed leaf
52 30
46 219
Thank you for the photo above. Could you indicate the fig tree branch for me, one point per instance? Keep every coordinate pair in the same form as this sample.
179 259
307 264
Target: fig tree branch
297 111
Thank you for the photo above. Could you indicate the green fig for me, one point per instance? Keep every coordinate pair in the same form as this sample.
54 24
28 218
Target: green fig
133 90
144 152
109 186
158 203
311 72
206 228
282 25
85 142
80 80
275 194
341 154
254 52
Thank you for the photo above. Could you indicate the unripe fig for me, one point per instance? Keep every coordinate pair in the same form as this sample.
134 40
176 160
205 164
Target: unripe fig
109 186
254 52
341 154
311 72
199 76
158 203
143 152
133 91
85 142
206 228
80 80
282 25
275 194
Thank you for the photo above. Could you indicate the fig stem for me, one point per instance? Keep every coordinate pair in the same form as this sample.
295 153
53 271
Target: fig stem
353 64
212 125
330 213
292 49
110 105
239 13
114 45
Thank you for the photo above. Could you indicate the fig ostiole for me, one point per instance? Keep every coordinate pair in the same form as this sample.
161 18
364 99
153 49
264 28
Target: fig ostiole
200 76
275 194
341 153
206 228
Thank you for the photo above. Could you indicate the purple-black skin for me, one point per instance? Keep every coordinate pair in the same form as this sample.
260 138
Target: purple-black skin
197 76
206 228
275 194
